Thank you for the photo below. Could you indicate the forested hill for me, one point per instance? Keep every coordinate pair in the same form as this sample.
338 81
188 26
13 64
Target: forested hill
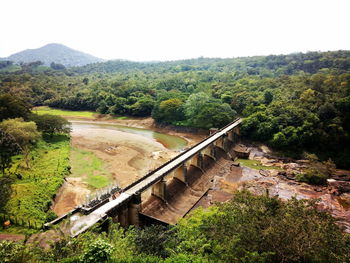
295 103
273 65
56 53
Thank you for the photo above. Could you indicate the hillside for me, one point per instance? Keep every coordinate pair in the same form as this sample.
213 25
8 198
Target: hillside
295 103
273 65
54 53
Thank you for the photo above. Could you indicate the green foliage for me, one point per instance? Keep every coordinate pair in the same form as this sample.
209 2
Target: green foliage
12 252
204 112
12 107
262 229
8 148
293 102
255 164
169 111
312 177
50 215
32 189
153 240
94 173
246 229
25 134
51 123
97 251
49 111
5 191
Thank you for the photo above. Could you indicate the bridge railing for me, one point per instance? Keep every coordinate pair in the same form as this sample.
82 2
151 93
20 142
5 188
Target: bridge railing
173 159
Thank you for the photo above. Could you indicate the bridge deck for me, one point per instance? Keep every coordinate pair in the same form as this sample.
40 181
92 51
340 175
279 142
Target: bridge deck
83 224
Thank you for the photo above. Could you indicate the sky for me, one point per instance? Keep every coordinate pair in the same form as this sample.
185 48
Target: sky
148 30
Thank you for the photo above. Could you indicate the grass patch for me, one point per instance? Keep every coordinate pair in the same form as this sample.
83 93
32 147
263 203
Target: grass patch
67 113
86 164
120 118
255 164
33 188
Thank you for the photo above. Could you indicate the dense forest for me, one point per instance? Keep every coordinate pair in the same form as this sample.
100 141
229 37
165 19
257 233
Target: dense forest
296 103
246 229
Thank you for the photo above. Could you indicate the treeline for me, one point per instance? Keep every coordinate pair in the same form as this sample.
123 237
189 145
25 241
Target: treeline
297 102
246 229
273 65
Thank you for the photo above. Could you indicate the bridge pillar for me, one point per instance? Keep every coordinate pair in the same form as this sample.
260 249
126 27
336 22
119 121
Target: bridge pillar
134 209
210 151
197 160
226 143
181 173
220 143
236 132
123 217
230 136
159 189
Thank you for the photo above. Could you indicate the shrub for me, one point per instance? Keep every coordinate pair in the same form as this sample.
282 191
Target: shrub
98 251
312 176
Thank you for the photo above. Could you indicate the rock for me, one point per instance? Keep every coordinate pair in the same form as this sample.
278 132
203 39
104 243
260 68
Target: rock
339 186
264 173
282 173
265 149
291 166
241 151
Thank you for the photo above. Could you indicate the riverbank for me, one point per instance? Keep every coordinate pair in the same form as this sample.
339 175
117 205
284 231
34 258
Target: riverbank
126 156
263 175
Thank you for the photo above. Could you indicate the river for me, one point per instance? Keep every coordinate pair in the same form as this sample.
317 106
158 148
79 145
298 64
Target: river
169 141
127 153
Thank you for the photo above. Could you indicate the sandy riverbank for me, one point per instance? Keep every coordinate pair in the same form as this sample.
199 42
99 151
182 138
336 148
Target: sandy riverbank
126 156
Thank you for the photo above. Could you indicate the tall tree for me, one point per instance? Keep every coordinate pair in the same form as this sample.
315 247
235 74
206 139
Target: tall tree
8 148
11 107
25 134
51 123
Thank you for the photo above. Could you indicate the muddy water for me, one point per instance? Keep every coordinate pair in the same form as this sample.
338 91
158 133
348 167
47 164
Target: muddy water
169 141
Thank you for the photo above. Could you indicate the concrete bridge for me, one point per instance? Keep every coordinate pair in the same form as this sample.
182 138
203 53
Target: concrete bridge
125 207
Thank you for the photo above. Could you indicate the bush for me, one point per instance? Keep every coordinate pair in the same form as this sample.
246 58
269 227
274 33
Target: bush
98 251
312 176
50 215
262 229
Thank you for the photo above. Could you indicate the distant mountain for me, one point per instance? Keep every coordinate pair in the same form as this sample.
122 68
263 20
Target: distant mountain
57 53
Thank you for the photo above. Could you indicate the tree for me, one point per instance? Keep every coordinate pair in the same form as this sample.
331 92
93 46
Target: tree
195 103
51 123
57 66
5 191
142 107
268 97
11 107
214 114
25 134
8 148
169 111
252 228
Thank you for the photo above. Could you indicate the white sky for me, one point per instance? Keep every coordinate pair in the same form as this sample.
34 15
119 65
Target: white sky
175 29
